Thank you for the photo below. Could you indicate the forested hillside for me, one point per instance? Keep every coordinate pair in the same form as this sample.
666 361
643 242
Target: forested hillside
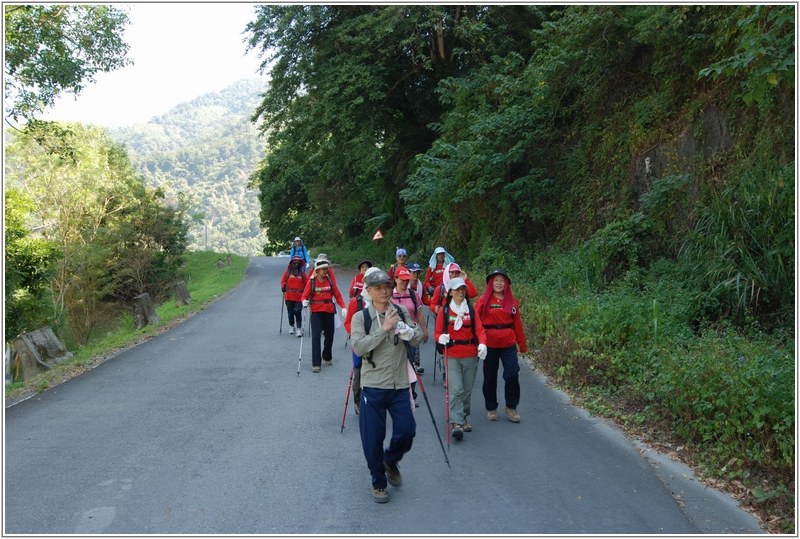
206 149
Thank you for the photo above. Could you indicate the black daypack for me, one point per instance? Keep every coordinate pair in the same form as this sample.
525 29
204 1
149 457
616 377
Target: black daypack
446 314
368 326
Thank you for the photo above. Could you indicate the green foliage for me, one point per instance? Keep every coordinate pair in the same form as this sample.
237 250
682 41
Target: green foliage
106 225
29 266
764 49
726 393
744 243
200 154
55 49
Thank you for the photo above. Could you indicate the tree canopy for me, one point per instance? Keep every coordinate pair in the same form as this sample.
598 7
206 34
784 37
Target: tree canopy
55 49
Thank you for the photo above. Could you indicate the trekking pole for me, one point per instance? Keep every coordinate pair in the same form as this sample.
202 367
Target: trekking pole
347 398
302 336
346 339
280 331
447 397
430 411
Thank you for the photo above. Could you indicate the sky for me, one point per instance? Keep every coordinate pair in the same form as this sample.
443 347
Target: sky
180 51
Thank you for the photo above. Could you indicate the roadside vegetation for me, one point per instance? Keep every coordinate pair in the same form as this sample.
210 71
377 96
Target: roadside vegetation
205 283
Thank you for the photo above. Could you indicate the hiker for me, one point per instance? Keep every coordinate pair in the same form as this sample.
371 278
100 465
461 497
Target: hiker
293 283
384 382
320 293
400 257
461 333
452 270
433 275
405 296
357 285
357 303
298 249
416 284
499 313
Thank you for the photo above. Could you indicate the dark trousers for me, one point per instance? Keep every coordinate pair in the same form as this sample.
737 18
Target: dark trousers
510 375
321 322
295 311
372 424
356 377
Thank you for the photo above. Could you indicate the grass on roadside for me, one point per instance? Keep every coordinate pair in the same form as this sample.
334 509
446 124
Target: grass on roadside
205 283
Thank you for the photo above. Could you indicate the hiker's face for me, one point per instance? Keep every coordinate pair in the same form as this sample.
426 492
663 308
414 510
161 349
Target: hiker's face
459 293
380 293
414 277
498 284
402 284
401 259
454 274
440 257
363 269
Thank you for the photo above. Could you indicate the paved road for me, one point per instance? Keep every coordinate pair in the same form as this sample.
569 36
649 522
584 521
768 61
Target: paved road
207 429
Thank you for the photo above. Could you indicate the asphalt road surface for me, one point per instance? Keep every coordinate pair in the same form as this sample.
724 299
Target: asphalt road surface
208 429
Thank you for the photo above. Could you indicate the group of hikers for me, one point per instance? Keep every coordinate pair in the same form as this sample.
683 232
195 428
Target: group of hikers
386 324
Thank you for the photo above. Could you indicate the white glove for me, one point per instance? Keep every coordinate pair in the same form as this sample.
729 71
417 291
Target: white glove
482 351
407 334
344 313
305 303
444 338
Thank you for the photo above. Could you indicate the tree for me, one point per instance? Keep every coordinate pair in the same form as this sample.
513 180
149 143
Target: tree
95 208
29 266
55 49
351 102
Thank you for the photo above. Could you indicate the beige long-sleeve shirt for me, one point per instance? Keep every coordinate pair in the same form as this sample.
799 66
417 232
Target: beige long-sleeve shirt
390 371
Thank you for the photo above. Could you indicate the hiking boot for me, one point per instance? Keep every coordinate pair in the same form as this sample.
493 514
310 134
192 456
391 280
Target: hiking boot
327 362
315 369
457 433
419 369
416 404
298 332
380 495
491 415
513 416
291 330
393 474
358 408
466 427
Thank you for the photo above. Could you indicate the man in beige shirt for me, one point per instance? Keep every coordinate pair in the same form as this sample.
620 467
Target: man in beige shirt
384 382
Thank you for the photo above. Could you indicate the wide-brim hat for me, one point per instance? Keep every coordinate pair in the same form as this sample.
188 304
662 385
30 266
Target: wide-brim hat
376 278
297 238
321 264
498 272
364 262
455 282
322 256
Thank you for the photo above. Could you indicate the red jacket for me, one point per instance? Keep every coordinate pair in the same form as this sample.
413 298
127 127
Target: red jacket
295 284
439 296
501 337
356 286
322 294
433 277
352 308
465 333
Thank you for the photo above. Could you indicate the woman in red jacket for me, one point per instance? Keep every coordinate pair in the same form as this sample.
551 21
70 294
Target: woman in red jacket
464 340
451 271
293 283
357 285
320 293
499 314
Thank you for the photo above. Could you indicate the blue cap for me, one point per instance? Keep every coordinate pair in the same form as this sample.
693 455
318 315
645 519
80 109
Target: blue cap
414 267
